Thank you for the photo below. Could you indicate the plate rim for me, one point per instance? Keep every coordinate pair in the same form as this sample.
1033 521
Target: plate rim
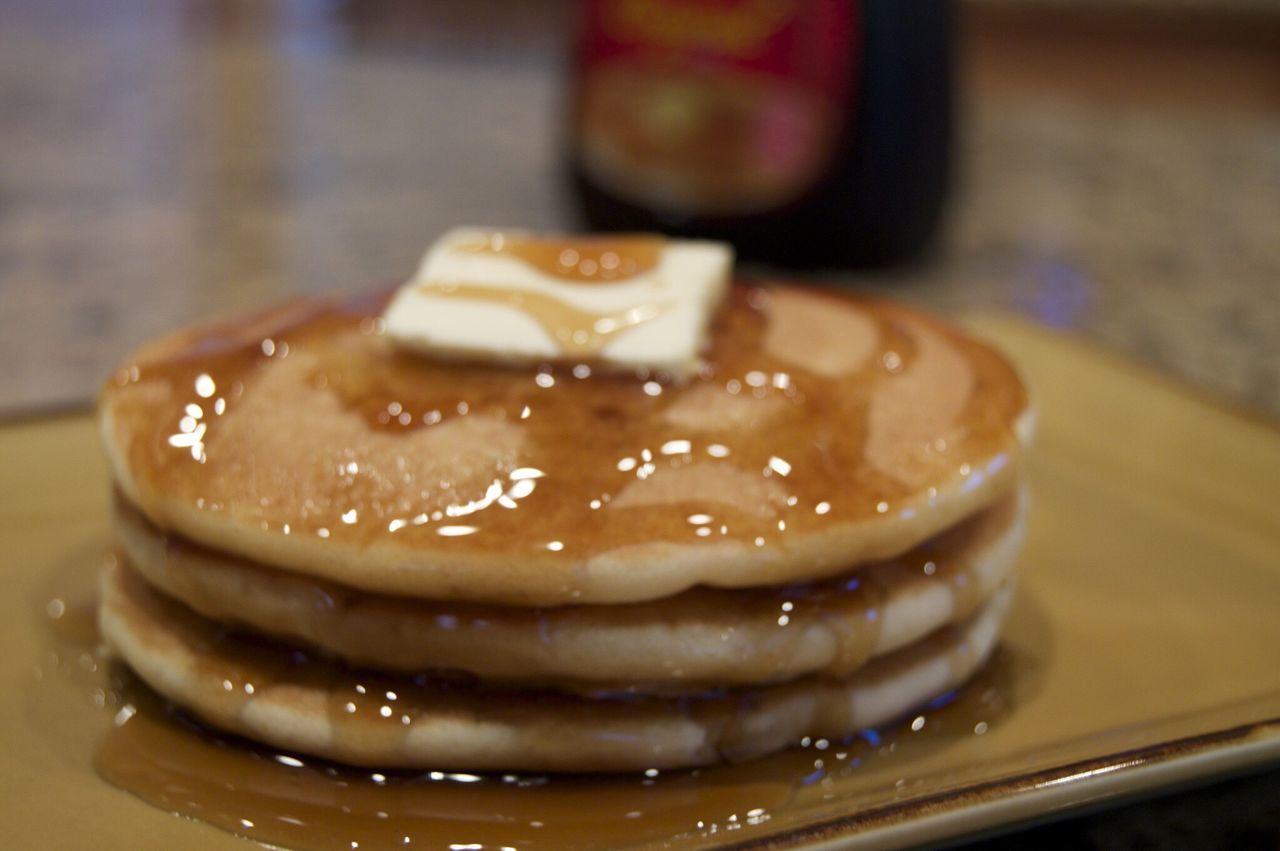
1057 791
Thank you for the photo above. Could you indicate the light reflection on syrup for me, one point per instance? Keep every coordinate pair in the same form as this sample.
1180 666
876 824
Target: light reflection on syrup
811 434
174 763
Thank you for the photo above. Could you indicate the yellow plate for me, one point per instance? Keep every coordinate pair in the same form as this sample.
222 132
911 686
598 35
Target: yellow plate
1141 652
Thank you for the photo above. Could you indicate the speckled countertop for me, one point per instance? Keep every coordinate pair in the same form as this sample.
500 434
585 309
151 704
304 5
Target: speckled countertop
177 161
1156 235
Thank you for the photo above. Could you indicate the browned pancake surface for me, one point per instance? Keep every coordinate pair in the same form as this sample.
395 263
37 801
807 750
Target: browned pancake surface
824 430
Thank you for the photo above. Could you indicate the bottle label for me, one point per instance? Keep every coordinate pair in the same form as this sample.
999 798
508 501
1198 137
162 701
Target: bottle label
713 107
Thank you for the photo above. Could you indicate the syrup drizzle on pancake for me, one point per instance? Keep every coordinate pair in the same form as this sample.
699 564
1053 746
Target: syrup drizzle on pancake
307 423
579 333
581 259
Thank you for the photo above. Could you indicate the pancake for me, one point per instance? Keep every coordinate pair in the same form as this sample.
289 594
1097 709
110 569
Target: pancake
282 697
701 637
825 431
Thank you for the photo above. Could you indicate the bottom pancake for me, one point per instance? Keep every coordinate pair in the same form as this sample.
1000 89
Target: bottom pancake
289 699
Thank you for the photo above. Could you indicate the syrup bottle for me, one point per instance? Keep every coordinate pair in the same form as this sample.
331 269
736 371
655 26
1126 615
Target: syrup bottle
805 132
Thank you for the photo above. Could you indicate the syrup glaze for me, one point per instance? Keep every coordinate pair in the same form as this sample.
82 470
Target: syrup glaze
304 422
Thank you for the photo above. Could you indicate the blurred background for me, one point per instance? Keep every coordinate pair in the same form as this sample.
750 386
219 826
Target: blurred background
1109 168
1114 167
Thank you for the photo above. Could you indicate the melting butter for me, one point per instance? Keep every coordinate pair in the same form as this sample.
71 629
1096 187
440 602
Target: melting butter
626 303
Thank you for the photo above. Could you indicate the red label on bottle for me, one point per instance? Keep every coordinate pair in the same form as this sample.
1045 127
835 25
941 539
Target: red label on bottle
713 107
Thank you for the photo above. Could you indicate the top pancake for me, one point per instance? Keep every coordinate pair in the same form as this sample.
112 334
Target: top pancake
824 431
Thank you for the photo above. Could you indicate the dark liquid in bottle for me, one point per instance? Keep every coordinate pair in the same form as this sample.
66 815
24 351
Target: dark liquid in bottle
805 133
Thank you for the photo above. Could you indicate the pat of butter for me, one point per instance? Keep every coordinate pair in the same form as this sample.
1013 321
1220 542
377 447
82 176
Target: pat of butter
626 302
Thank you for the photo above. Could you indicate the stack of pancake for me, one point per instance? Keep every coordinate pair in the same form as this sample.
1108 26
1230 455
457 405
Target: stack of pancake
347 550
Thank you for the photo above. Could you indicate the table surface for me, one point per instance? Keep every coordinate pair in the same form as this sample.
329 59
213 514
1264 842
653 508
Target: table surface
1119 176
